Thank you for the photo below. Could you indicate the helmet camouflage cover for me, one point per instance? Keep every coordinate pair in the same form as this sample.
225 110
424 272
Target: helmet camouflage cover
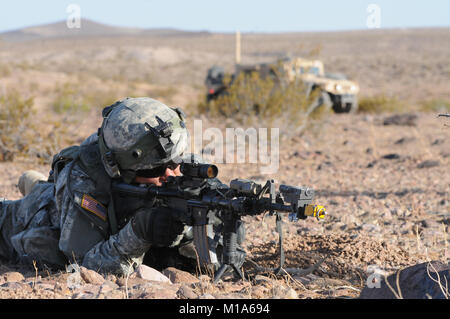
141 134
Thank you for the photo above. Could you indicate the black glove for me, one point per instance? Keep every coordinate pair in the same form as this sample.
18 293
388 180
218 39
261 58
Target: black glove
159 226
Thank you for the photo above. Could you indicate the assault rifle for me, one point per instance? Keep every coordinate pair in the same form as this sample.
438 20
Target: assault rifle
200 201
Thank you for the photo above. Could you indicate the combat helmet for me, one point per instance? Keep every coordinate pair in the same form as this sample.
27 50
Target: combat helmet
141 136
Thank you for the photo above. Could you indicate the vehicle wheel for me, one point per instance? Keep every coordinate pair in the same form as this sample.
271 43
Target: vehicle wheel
347 107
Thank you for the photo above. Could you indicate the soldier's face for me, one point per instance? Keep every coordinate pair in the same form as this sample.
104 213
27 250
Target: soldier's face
158 181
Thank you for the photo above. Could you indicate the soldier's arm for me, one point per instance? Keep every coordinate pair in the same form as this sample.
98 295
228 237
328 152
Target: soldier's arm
82 240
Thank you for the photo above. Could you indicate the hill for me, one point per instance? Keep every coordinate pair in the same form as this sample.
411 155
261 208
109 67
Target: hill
88 28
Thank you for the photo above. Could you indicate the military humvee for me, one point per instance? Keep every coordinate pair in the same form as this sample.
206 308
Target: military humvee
342 93
215 82
336 92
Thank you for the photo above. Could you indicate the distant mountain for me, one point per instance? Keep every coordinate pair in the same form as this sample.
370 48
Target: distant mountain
88 28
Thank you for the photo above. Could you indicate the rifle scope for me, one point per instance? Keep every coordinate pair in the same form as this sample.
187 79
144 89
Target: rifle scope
199 170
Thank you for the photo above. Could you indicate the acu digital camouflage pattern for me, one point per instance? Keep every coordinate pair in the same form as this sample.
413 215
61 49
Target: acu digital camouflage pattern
125 125
48 225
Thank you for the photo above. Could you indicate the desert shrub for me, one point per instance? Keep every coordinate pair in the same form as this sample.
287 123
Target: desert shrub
28 135
265 102
435 105
5 70
165 94
379 103
15 119
69 99
77 98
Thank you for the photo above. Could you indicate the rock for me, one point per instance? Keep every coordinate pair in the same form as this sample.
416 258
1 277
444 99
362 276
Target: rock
371 164
233 295
148 273
428 164
12 276
262 280
186 292
111 278
61 287
33 279
339 225
370 228
414 282
130 282
290 294
44 286
404 140
259 292
115 294
154 291
427 223
108 286
438 141
204 278
387 215
12 285
401 119
206 296
178 276
282 292
91 276
349 219
306 279
391 156
83 295
121 281
330 282
89 288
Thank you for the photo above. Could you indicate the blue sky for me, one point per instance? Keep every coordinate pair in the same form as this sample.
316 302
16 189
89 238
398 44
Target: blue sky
230 15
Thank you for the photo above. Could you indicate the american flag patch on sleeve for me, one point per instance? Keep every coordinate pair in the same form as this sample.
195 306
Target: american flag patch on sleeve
93 206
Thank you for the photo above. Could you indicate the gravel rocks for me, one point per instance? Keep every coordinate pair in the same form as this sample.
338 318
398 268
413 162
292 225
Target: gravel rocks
374 218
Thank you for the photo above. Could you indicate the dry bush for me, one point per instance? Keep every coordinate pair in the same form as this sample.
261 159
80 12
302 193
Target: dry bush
265 102
435 105
379 103
15 119
75 98
166 94
5 70
68 99
25 134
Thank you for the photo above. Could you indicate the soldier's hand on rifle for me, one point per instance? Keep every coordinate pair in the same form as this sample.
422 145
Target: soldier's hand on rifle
158 226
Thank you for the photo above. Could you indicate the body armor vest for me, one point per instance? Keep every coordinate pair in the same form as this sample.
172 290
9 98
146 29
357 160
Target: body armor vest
120 207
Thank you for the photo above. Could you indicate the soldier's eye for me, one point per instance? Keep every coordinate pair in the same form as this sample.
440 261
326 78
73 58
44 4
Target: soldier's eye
154 172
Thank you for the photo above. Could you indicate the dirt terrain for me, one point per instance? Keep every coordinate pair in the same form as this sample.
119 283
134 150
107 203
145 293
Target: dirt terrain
385 184
384 211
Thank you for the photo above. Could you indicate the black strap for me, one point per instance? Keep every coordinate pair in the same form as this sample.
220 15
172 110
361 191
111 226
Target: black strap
112 216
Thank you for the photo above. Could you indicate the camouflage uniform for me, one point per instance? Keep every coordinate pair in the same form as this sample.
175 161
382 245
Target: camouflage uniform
48 225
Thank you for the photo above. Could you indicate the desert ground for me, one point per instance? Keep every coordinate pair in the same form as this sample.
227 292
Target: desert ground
384 182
